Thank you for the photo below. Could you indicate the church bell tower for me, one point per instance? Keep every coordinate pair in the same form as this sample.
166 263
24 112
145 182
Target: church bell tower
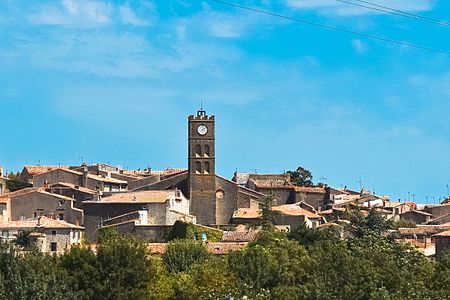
202 164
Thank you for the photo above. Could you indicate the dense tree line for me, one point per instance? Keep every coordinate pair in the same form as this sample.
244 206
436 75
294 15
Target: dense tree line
302 264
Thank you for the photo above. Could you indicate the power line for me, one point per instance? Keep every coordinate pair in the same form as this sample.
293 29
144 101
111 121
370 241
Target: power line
397 12
329 27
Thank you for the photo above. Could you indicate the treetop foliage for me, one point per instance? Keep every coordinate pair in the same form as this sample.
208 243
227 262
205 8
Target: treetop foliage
302 264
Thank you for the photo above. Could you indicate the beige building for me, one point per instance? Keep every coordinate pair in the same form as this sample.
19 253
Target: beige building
147 208
31 203
290 215
49 235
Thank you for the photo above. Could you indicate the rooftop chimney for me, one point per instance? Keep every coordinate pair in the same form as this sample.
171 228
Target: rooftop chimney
85 174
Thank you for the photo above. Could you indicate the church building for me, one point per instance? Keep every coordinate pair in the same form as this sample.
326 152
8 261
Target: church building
213 198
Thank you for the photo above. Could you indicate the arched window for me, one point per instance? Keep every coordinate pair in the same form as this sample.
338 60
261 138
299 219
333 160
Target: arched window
206 150
198 167
198 150
207 167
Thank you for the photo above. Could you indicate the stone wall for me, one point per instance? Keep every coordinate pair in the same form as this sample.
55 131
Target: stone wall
442 243
31 205
316 200
56 176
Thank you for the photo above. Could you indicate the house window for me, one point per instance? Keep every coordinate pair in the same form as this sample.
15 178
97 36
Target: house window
53 246
61 202
53 232
61 216
5 234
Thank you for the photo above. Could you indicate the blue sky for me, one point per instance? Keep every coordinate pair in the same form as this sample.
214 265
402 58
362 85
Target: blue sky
114 81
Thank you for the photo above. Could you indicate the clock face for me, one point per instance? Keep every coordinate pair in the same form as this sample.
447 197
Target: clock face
202 129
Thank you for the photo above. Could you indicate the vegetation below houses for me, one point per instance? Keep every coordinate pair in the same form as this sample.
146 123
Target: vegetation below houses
183 230
15 183
303 264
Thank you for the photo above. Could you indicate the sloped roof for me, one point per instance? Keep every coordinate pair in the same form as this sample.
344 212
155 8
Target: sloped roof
33 190
106 179
423 230
443 234
33 223
295 210
305 189
247 213
240 235
75 187
416 212
272 183
34 170
389 204
151 196
286 209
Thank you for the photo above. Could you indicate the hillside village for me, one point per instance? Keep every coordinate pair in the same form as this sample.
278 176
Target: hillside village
63 206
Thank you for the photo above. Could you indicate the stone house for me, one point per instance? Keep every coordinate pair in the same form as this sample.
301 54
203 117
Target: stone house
417 216
3 186
83 179
438 210
287 215
280 187
49 235
78 193
442 242
34 202
152 208
396 209
29 171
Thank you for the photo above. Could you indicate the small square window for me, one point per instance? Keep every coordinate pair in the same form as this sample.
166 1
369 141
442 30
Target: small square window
53 232
61 216
61 202
53 246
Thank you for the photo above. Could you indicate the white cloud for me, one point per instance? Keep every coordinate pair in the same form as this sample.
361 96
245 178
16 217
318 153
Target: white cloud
129 17
73 12
344 9
359 46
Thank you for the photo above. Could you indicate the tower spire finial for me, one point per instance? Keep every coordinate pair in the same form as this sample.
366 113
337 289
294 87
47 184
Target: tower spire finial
201 112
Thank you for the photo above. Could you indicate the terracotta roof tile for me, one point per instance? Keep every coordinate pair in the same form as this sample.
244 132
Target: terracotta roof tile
34 170
153 196
304 189
295 210
33 223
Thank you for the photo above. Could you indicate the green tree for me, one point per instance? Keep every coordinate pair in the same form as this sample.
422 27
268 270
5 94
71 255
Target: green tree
125 270
83 272
15 182
272 262
374 223
23 239
308 236
181 255
268 215
301 177
32 275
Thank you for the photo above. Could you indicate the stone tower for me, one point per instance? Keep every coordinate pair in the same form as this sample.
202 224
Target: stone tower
202 164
